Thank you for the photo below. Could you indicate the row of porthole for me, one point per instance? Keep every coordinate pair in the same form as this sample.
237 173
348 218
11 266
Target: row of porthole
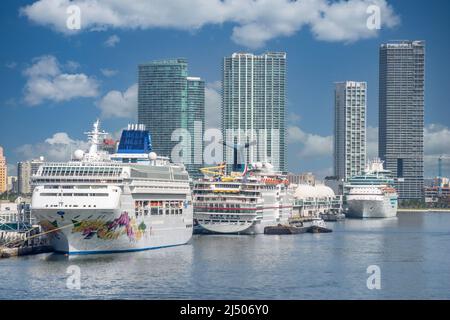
70 206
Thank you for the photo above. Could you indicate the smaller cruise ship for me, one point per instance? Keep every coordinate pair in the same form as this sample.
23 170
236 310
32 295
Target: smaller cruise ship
371 195
242 202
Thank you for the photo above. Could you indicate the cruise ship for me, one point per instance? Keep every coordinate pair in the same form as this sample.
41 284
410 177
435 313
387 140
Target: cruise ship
371 195
242 202
104 203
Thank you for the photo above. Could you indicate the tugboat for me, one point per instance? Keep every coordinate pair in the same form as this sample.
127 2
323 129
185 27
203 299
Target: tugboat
318 226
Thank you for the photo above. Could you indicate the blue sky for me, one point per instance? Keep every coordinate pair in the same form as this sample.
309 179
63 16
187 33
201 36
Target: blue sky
55 82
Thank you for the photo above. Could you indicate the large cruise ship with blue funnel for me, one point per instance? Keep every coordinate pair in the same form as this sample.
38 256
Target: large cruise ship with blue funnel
371 195
103 203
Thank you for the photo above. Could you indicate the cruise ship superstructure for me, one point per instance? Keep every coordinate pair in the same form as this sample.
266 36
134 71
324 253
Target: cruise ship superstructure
102 203
242 203
371 195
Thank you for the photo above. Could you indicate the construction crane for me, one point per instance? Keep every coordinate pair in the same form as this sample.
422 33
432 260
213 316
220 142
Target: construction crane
238 149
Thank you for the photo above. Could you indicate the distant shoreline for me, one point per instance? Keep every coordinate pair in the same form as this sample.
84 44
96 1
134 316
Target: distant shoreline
423 210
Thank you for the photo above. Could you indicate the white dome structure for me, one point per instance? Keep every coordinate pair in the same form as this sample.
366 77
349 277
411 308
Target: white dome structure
306 191
324 191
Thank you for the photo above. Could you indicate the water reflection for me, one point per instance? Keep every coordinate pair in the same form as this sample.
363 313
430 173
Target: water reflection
411 250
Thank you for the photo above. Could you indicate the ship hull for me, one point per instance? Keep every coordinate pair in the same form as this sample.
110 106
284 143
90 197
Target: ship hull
109 231
256 226
377 208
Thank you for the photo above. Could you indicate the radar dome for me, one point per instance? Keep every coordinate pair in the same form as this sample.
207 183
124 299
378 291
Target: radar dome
152 156
78 154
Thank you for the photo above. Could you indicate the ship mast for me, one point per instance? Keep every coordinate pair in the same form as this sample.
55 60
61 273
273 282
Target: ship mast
94 137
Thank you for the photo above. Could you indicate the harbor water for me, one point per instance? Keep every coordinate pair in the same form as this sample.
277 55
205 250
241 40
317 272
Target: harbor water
410 250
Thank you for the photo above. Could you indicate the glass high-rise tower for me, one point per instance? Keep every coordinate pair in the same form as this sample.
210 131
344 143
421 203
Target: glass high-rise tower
170 102
401 114
350 99
253 106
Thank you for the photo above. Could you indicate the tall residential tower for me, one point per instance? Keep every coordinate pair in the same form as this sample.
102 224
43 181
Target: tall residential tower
350 102
3 173
253 105
172 107
401 114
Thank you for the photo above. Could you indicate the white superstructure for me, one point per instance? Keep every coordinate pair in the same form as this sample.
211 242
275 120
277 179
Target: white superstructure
101 203
371 195
242 203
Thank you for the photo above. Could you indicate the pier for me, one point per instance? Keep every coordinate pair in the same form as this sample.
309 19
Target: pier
19 235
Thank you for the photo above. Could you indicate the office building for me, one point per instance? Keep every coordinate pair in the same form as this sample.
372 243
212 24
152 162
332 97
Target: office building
401 114
25 170
172 107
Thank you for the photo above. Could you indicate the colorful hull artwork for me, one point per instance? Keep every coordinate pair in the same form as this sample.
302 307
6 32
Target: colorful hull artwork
99 233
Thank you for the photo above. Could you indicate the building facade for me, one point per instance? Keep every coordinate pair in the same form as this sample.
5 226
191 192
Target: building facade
302 178
3 172
172 107
12 184
401 114
253 106
25 170
350 107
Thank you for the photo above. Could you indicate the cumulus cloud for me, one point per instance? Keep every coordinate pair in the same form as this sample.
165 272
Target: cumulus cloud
116 104
213 105
112 41
58 147
255 22
46 81
108 72
312 145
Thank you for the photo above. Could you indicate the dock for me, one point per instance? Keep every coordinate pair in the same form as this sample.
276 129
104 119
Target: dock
23 251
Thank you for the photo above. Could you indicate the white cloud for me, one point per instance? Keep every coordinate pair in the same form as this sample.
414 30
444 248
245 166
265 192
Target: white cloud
59 147
11 65
347 20
436 143
255 22
213 105
312 145
108 72
112 41
116 104
46 81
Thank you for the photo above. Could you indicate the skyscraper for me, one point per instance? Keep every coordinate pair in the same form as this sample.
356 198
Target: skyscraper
171 103
253 106
3 173
401 114
350 100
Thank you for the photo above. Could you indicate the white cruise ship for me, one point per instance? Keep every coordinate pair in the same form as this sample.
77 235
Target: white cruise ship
241 203
103 203
371 195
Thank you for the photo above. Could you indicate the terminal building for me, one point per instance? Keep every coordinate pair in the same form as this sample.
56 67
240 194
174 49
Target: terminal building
313 200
